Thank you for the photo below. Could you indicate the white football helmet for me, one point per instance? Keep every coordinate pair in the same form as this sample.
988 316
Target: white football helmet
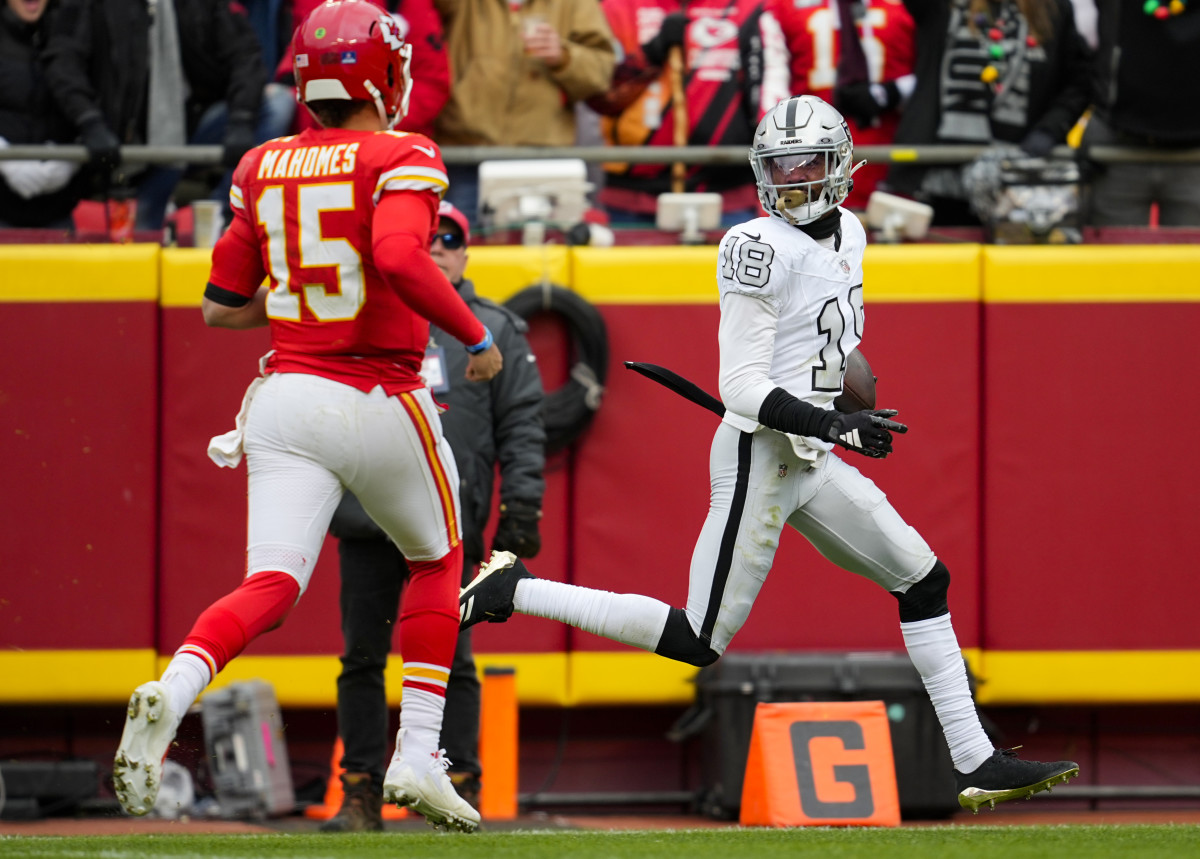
802 157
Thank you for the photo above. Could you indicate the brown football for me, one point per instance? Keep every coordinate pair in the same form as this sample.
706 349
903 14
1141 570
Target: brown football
858 385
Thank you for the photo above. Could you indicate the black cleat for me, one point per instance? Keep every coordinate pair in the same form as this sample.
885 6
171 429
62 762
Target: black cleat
489 596
1004 776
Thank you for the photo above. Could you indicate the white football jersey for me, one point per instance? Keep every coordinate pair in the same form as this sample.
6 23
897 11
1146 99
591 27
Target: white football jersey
810 319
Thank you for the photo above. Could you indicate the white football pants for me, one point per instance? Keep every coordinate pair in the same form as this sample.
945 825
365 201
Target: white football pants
307 437
758 484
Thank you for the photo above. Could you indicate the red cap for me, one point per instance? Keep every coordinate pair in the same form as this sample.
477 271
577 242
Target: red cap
447 210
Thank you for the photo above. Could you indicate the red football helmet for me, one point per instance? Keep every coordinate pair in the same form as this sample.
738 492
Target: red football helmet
353 49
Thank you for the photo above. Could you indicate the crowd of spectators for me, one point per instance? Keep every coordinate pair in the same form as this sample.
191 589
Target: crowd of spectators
1029 75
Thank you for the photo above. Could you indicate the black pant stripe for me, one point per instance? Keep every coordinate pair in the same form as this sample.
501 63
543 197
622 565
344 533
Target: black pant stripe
729 536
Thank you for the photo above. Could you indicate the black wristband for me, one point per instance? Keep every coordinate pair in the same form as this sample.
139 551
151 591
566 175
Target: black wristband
781 411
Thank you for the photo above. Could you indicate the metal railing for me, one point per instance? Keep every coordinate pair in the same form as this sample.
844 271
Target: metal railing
719 155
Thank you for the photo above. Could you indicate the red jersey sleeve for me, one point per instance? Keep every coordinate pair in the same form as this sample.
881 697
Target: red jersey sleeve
237 263
401 228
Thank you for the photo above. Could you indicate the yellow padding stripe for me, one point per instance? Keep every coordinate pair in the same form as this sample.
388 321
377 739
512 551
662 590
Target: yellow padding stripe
500 271
1137 274
79 272
311 681
657 275
1089 677
184 273
922 273
612 678
688 275
646 275
628 678
73 676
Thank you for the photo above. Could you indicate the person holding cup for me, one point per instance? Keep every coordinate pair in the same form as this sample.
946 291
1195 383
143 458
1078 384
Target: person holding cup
518 69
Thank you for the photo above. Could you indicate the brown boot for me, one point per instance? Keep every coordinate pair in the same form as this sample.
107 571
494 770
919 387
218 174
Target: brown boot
362 806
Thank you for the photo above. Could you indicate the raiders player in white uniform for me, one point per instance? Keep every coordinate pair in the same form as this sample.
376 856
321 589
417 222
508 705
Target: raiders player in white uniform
791 313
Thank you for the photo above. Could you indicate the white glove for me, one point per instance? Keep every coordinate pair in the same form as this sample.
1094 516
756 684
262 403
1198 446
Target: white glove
34 178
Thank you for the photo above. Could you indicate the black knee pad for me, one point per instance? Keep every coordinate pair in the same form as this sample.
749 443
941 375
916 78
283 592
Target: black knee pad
927 598
680 643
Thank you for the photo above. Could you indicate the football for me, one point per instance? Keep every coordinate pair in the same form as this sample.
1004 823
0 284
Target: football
858 385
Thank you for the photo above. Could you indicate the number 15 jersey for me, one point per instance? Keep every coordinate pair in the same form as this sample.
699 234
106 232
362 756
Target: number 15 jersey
305 214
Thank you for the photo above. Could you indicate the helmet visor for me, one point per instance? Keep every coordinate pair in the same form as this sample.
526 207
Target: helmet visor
795 168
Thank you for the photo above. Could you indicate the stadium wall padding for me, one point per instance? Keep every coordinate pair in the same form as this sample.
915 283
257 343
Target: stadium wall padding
1048 390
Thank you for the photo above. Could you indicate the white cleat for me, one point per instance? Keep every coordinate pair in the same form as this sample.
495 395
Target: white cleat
150 727
427 790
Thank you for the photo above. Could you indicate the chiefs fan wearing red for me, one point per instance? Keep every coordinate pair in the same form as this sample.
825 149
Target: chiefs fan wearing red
340 219
870 98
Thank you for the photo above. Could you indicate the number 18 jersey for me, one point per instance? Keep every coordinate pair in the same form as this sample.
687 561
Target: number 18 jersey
812 313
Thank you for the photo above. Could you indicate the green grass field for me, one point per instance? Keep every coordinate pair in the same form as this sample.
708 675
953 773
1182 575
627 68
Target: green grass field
976 842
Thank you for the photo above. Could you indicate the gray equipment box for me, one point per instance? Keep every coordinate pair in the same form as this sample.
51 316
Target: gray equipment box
728 691
247 753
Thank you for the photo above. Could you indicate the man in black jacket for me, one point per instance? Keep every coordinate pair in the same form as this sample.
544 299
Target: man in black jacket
486 423
33 193
132 72
1146 92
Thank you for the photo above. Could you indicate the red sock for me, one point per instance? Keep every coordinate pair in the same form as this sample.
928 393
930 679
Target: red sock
224 629
429 614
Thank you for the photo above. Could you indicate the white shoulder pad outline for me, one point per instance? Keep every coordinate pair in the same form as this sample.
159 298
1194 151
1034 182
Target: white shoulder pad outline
420 168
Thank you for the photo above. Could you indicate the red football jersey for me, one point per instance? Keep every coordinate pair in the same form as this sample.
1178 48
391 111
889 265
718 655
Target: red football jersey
303 211
888 38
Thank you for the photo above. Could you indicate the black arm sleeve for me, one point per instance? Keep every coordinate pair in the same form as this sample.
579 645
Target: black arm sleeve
225 297
781 411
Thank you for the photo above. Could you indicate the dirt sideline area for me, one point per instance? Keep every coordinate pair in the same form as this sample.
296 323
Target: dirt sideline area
1043 814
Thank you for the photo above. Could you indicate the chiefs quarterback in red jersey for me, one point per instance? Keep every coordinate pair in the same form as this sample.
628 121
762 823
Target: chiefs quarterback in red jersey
887 34
338 220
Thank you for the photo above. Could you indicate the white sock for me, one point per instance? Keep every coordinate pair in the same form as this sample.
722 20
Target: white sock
185 678
628 618
933 649
421 721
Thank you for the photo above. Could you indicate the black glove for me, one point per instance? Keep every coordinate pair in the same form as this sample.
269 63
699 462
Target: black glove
104 149
858 102
1038 143
866 432
239 139
670 34
517 530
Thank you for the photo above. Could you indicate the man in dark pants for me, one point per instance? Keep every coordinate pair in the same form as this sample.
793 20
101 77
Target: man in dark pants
486 423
